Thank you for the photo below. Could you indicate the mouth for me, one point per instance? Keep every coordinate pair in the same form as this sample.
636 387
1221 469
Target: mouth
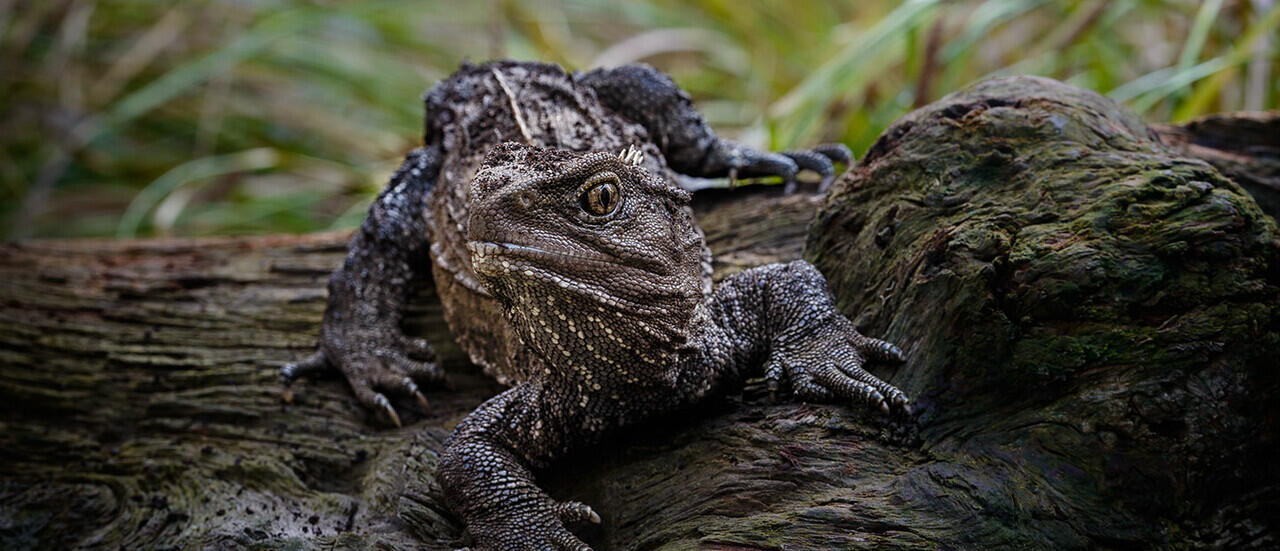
492 258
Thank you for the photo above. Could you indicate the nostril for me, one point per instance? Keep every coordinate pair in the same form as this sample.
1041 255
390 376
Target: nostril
525 198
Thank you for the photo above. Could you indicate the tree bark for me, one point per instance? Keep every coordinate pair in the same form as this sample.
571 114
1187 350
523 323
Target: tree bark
1089 316
1244 147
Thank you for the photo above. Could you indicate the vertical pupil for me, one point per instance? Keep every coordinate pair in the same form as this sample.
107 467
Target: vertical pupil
600 199
604 198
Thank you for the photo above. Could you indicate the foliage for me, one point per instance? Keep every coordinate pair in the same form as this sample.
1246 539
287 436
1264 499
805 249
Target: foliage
224 116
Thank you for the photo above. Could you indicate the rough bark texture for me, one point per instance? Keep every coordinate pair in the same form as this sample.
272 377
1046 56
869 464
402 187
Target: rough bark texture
1090 318
1243 146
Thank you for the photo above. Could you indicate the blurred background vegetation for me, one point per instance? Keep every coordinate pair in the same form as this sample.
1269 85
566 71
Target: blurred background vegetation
138 117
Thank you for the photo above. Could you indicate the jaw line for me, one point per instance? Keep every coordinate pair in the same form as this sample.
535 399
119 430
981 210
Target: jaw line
501 249
524 254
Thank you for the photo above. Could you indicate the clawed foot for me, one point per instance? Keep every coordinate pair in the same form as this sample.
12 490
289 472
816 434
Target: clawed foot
749 163
374 365
826 365
541 530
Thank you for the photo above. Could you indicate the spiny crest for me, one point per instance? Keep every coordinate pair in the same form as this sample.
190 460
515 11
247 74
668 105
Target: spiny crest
632 155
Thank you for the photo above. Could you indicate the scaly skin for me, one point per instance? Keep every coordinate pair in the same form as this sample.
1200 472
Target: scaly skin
615 312
578 274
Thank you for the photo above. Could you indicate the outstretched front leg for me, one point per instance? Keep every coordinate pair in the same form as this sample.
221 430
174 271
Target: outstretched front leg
782 316
361 333
649 97
485 474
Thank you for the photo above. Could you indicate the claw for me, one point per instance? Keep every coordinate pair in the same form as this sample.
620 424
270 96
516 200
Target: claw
422 400
385 404
884 406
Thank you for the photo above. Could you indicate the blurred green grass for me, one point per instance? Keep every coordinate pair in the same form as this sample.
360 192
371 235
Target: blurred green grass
135 117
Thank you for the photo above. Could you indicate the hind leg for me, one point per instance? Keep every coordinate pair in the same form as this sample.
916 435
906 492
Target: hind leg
649 97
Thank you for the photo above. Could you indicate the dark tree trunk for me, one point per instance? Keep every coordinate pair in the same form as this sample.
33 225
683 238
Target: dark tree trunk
1090 316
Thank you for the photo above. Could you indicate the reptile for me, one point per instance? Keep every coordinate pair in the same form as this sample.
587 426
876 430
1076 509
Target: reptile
549 210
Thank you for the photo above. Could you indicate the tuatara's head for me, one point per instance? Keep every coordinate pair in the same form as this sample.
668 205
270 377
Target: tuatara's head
595 258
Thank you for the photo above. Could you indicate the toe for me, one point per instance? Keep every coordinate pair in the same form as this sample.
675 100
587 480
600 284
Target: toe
809 160
761 163
420 370
572 512
773 375
837 152
417 348
391 381
375 400
314 363
888 395
568 542
805 388
847 387
879 350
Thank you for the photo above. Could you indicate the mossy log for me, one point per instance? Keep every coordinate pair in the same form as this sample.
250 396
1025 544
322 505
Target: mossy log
1242 146
1090 315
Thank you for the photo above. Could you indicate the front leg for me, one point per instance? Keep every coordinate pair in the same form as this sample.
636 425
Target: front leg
484 472
361 333
649 97
782 316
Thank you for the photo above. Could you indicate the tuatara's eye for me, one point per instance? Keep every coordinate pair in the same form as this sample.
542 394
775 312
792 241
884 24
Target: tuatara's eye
600 196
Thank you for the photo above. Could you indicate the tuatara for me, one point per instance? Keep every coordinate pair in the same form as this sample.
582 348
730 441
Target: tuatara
569 265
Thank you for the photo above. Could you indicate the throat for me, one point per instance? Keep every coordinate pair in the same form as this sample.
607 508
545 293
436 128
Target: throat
578 336
597 401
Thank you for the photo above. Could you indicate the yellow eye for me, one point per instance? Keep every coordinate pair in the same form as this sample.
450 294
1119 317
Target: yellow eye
601 194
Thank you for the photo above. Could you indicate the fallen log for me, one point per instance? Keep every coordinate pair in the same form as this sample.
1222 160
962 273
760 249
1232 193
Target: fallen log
1242 146
1089 315
1091 318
